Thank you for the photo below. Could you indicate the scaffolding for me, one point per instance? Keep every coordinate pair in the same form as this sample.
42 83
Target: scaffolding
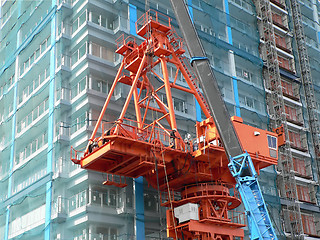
306 77
276 108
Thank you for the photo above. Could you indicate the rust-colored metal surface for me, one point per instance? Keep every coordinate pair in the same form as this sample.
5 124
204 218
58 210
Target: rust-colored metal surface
194 168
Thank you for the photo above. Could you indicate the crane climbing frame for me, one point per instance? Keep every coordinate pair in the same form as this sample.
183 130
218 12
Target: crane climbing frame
151 145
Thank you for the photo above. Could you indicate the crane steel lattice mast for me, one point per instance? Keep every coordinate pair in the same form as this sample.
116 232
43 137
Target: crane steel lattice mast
151 145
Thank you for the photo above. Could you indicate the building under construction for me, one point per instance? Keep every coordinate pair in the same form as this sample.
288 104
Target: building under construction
58 65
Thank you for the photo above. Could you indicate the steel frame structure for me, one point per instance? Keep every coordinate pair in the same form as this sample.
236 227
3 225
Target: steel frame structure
151 145
278 121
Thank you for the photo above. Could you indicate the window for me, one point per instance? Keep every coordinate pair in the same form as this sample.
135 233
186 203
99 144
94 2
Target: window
276 18
150 202
284 63
112 197
79 53
299 166
179 105
33 115
291 113
79 21
280 41
105 20
248 101
78 200
287 88
245 74
295 139
107 54
95 18
79 87
31 147
272 142
95 50
78 123
101 85
309 226
303 193
35 55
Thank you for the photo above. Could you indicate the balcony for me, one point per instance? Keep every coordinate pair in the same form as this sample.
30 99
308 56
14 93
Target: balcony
59 210
63 65
62 98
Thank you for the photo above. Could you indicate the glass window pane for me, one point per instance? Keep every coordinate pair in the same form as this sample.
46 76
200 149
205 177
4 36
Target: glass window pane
94 84
82 50
74 57
82 84
103 21
112 197
82 18
95 49
75 25
95 18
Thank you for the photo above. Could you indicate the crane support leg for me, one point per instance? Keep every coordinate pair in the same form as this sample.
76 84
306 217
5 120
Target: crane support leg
242 168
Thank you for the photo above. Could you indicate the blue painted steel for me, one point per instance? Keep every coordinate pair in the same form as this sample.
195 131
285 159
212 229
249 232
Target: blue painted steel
236 95
190 9
133 18
198 112
139 204
198 108
47 230
13 134
197 59
6 231
234 78
138 182
260 225
289 75
226 4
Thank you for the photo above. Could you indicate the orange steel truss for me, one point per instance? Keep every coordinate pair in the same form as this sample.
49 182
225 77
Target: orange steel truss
151 146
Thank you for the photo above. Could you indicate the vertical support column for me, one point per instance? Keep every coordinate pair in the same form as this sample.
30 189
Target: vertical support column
234 82
13 134
316 17
198 108
133 19
47 230
138 182
13 130
139 205
232 61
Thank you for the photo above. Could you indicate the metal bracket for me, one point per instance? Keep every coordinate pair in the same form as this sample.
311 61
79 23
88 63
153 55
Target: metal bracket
197 59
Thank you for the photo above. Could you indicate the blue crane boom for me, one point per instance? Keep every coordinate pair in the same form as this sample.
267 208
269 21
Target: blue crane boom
240 163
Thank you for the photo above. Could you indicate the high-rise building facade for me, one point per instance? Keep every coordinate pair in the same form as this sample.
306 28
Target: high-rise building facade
58 63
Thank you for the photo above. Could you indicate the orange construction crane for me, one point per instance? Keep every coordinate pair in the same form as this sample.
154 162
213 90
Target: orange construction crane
151 145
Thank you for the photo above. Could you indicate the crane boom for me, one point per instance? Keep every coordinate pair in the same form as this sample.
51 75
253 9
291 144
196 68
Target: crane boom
207 81
240 163
197 175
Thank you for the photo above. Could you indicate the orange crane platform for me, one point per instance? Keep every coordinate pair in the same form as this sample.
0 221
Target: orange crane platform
151 145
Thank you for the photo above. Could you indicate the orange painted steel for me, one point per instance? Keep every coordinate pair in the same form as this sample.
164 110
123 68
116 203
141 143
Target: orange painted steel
151 146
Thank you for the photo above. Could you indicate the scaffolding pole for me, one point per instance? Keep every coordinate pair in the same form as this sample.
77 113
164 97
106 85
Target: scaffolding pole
306 77
276 109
